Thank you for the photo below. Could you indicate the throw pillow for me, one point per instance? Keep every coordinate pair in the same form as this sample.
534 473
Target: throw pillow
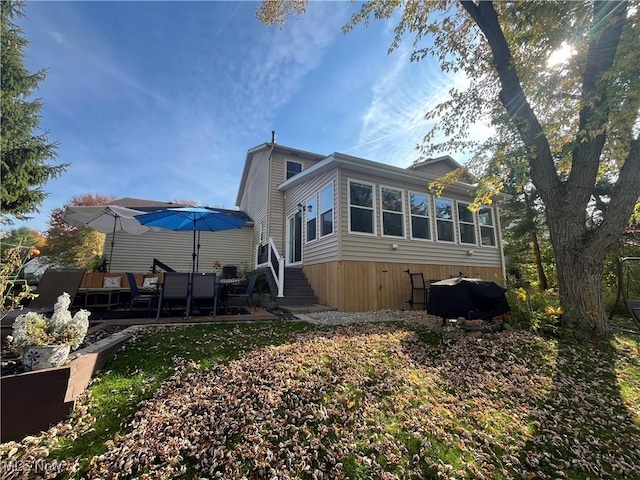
112 282
150 282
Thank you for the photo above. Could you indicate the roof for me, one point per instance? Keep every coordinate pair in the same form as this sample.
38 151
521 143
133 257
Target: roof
447 160
145 205
373 168
274 147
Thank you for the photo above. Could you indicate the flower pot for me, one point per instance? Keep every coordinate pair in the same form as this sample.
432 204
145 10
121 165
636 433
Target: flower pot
36 358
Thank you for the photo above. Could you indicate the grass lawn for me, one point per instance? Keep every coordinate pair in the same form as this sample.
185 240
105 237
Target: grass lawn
289 400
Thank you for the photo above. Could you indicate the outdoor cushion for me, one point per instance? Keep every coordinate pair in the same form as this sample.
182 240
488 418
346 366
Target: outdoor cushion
150 282
112 282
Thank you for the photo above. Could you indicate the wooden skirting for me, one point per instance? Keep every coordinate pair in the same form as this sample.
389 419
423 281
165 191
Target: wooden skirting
364 286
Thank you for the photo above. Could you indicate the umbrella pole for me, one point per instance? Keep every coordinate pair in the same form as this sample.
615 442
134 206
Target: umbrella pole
113 240
198 254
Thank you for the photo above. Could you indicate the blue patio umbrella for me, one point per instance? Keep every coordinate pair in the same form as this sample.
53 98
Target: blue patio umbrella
196 219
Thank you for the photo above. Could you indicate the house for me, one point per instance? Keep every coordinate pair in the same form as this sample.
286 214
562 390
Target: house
348 226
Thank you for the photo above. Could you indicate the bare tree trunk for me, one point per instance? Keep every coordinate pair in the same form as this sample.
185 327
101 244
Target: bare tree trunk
580 285
542 278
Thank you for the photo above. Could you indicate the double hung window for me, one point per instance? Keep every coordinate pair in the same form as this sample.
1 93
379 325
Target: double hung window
392 212
326 210
444 220
487 227
467 226
361 208
420 221
312 215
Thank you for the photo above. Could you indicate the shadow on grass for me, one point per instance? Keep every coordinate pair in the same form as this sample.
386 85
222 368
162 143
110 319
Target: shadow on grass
583 427
534 408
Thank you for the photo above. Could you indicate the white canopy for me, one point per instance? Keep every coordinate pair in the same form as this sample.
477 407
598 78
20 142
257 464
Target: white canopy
107 219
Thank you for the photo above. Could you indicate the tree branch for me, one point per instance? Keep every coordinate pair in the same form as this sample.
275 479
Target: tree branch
513 98
608 22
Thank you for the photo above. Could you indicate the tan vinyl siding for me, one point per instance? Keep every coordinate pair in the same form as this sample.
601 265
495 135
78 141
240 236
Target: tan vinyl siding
135 253
277 167
375 247
438 169
255 199
322 249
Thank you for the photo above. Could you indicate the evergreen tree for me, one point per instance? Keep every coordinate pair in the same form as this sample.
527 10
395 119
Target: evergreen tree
26 154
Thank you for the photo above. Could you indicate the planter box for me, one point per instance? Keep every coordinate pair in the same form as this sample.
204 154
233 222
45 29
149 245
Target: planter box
33 401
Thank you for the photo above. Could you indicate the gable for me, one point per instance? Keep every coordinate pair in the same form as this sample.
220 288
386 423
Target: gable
438 167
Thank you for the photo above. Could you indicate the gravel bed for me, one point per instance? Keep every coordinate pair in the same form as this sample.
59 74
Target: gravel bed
343 318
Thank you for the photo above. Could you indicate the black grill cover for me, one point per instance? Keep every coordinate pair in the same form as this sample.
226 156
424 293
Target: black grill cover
471 298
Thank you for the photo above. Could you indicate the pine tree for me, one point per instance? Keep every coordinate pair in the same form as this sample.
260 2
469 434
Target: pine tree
26 154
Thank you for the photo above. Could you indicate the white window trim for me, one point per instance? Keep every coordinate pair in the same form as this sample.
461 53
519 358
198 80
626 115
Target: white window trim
373 209
286 170
494 226
474 224
333 209
429 217
306 203
453 220
401 212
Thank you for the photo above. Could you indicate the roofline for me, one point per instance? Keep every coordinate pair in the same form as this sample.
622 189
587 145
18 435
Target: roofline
369 166
274 147
430 161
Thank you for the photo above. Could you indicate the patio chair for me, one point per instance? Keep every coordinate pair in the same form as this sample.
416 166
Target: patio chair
52 284
203 289
419 290
174 287
246 293
138 298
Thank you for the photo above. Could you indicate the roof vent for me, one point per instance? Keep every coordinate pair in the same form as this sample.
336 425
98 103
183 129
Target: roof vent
273 136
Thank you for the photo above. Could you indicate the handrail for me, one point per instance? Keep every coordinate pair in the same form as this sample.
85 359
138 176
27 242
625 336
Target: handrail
275 262
158 263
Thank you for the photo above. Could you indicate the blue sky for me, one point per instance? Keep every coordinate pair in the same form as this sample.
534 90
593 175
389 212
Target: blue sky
162 100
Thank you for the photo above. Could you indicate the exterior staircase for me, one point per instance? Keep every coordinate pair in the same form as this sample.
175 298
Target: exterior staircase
297 290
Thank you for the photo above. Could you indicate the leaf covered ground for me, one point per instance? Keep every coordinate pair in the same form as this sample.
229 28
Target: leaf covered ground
386 401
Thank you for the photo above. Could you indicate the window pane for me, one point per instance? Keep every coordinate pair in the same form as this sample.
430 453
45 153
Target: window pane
326 198
485 215
312 208
445 231
488 236
464 215
391 200
420 227
326 223
443 209
419 204
392 224
311 230
361 220
467 233
361 195
293 168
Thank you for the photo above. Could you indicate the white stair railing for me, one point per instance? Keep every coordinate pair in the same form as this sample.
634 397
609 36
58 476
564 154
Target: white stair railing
275 262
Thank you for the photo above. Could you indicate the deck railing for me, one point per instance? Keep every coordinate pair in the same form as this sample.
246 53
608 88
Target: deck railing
274 261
